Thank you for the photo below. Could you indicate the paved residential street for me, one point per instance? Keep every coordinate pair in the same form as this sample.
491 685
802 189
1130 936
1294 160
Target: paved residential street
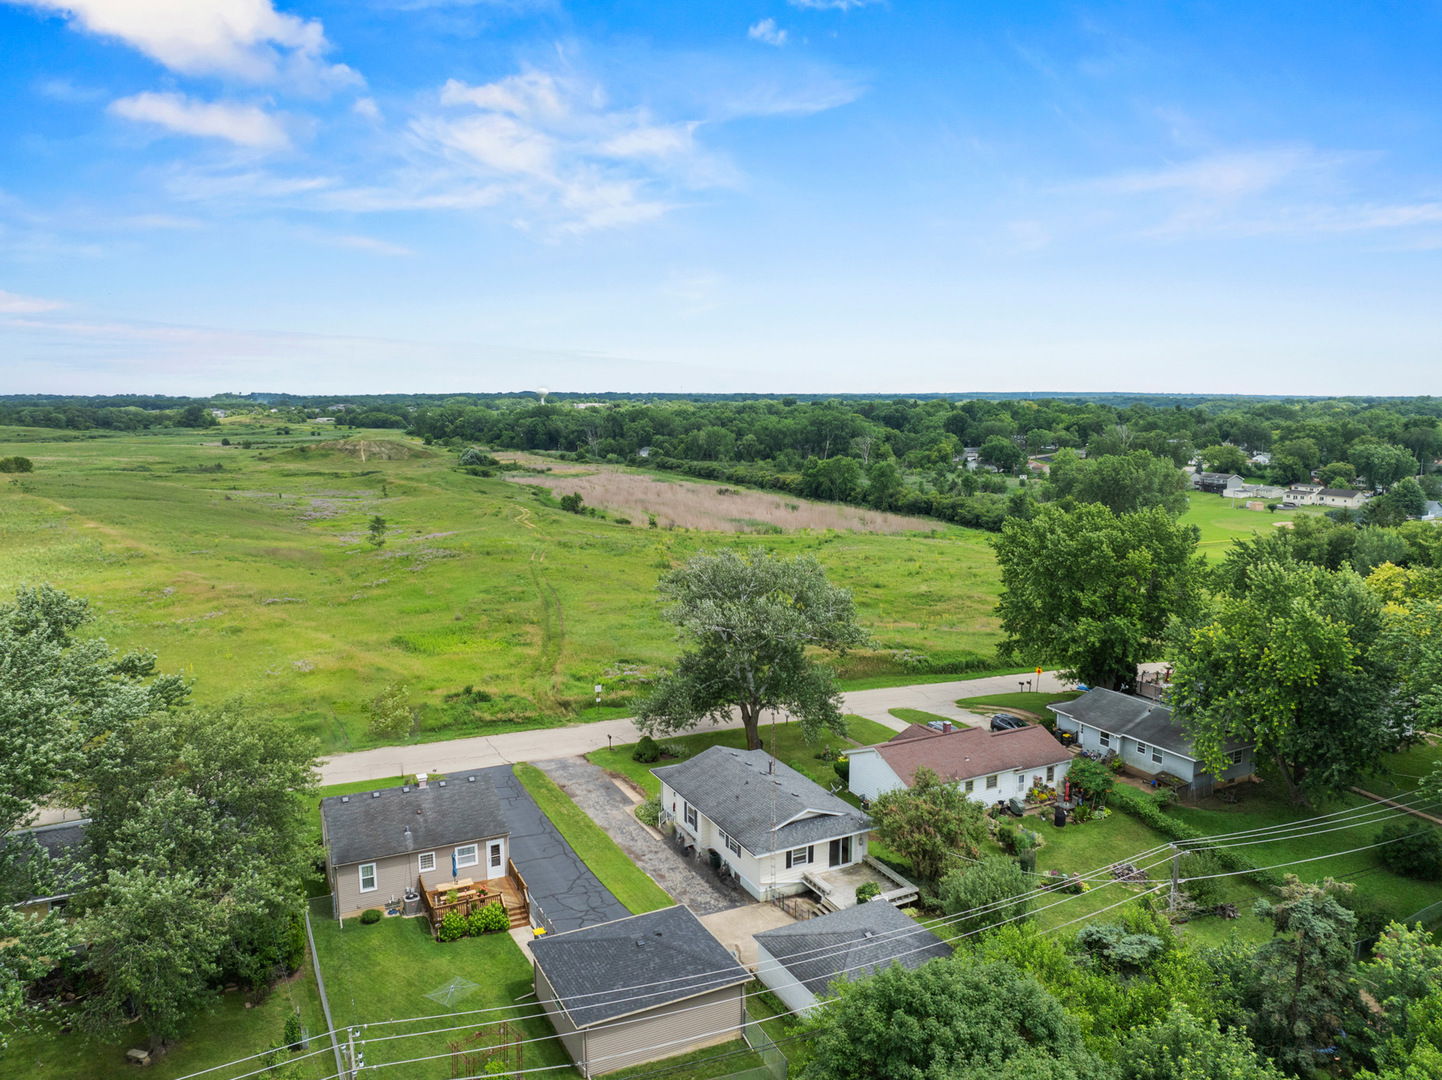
687 881
456 755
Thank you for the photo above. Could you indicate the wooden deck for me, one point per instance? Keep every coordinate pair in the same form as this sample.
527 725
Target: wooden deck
470 895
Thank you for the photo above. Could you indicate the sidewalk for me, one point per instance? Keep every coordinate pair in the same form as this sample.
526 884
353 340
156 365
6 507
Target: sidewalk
454 755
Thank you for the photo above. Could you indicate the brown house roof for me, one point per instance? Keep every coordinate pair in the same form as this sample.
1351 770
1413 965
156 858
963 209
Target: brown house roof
964 753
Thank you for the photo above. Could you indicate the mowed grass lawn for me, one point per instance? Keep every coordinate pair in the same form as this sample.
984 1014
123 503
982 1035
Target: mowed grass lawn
628 882
1027 705
226 1032
251 570
791 747
1220 522
377 978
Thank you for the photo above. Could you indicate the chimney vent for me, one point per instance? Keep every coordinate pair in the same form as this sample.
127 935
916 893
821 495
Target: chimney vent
946 727
420 781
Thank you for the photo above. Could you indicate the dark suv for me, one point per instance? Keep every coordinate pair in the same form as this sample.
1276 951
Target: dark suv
1006 722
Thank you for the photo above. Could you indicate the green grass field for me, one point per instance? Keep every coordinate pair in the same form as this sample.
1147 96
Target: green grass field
250 570
628 882
1221 522
788 740
376 975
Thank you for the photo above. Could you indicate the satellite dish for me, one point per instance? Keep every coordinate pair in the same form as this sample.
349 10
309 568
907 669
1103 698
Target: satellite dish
543 392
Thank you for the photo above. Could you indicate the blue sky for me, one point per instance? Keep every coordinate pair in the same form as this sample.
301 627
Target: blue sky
789 195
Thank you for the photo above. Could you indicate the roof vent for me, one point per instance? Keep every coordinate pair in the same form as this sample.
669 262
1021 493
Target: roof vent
345 798
640 943
405 788
470 779
870 934
408 830
375 794
440 783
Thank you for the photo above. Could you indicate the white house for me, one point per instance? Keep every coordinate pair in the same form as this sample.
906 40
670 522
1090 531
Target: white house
989 766
769 824
798 963
1145 736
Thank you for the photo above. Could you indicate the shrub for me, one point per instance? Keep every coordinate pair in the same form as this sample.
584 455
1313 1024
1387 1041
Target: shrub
453 926
224 442
1206 891
646 751
866 890
573 503
1027 861
1081 815
291 1035
1135 803
16 464
1164 797
649 812
489 918
842 765
371 916
1006 837
1412 849
996 884
1026 840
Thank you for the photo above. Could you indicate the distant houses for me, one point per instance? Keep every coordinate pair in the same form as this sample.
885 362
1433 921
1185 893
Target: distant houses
988 766
1216 483
1146 738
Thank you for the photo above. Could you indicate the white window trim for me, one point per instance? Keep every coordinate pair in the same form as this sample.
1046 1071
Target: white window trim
1050 773
1142 749
1236 756
1156 755
496 853
799 856
1105 738
690 813
375 877
472 859
732 844
421 861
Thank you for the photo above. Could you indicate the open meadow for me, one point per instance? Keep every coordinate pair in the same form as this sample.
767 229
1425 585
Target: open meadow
251 568
1222 520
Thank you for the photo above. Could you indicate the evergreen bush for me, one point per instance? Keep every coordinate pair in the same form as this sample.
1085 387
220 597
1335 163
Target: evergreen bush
453 926
646 751
370 916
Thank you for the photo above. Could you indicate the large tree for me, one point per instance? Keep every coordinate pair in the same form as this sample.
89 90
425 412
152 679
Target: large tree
1296 660
929 823
985 894
956 1019
59 695
1094 591
749 620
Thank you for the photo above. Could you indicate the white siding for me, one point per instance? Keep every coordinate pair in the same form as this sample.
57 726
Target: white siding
781 982
870 774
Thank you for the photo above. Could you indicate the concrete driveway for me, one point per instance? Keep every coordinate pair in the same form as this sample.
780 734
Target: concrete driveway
561 885
734 928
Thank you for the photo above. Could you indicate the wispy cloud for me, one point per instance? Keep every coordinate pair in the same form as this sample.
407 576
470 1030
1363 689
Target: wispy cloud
832 5
243 125
246 39
370 244
767 32
16 304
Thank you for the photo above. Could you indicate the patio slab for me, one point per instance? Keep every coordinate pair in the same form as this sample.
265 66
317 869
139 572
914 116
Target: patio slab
734 928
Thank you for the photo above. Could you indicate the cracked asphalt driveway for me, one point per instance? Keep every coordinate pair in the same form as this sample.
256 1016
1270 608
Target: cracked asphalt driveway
685 880
561 885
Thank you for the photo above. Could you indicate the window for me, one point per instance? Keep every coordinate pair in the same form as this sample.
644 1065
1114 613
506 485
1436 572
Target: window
1021 781
1235 757
1142 749
428 861
732 845
798 857
495 854
691 815
970 786
991 781
1157 754
1050 773
368 877
467 856
1106 739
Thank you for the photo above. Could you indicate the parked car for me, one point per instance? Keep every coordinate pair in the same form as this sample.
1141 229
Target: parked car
1006 722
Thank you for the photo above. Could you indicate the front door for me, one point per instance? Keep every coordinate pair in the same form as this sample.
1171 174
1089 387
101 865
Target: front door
495 859
840 851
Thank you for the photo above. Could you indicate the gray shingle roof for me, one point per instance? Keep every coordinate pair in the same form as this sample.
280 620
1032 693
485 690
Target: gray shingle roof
1137 718
737 790
853 943
361 828
66 846
666 955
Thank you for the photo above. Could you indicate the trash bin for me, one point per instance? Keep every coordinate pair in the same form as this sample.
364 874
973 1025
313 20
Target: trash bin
715 859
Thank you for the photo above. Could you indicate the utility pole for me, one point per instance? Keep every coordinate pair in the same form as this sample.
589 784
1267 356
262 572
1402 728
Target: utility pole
1176 876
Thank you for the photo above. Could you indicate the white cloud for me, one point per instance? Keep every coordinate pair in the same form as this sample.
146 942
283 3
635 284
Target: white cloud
243 125
244 38
15 304
368 243
831 5
767 32
366 107
1225 175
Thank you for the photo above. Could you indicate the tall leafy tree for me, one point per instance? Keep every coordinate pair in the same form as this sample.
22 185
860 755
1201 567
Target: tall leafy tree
956 1019
748 621
59 695
1294 659
1184 1047
1094 591
996 884
929 822
1123 483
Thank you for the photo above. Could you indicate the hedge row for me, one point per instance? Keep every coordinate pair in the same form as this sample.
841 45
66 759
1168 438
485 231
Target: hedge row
1140 806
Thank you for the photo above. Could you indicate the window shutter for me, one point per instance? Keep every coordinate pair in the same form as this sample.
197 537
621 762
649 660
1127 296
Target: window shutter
810 854
788 860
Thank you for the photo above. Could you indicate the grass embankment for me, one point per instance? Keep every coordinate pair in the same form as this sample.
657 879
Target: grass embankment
1027 705
627 882
381 973
918 716
251 570
788 740
226 1032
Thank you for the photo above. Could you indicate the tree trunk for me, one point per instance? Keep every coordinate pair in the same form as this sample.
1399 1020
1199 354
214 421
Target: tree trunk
751 721
1294 790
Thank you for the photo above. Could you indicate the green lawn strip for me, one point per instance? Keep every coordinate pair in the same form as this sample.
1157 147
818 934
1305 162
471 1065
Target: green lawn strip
221 1034
883 682
704 1064
788 739
1263 805
1220 522
1024 703
383 972
1402 772
917 716
627 882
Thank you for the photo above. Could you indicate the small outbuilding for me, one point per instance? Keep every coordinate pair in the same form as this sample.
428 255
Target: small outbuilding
640 989
798 963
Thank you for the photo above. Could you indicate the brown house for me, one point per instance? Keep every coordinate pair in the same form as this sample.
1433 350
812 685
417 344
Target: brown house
382 844
639 989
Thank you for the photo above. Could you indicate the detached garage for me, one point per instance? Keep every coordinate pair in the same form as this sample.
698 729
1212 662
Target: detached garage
639 989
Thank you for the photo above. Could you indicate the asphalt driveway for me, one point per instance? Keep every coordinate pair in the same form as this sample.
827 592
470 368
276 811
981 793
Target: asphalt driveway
561 885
